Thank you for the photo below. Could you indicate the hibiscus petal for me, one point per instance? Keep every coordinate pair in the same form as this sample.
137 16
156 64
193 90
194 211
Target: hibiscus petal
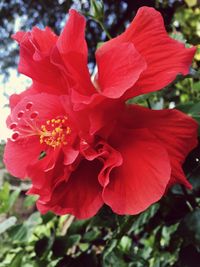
165 57
35 62
47 173
142 178
16 98
70 155
73 48
17 156
110 158
80 195
35 88
118 69
72 36
43 41
176 132
45 105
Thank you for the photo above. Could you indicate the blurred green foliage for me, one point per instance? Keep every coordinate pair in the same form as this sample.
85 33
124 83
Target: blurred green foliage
167 234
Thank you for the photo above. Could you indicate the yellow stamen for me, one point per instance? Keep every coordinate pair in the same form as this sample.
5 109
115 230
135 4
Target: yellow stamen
55 132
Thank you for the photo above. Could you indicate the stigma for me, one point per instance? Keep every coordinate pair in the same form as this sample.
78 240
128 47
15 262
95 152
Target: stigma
55 132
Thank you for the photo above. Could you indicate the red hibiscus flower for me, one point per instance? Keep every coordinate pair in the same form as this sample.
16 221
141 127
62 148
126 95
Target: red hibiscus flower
80 144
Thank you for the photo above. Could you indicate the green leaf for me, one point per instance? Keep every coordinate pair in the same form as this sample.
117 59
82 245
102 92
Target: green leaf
6 224
34 219
125 244
115 259
29 201
144 218
111 246
18 233
91 235
17 261
22 232
7 199
191 3
13 197
73 240
47 217
192 109
78 226
4 198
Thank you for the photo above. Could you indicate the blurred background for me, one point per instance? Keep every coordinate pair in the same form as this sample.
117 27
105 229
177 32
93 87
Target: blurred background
168 233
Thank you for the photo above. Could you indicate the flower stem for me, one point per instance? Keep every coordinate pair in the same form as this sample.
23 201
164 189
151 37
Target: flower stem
104 29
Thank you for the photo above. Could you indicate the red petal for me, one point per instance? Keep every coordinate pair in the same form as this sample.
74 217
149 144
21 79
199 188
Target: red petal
165 57
18 36
103 114
35 88
72 36
17 157
47 173
106 154
43 41
73 48
142 178
70 155
80 196
47 106
16 98
35 61
118 69
176 131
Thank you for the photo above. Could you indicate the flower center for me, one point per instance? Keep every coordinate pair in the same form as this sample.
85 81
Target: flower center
55 132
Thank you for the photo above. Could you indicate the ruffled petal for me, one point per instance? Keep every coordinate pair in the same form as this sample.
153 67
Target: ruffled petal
142 178
118 69
102 151
165 57
35 58
80 195
70 155
43 41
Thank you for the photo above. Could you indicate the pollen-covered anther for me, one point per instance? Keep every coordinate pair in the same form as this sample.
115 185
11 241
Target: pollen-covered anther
55 132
